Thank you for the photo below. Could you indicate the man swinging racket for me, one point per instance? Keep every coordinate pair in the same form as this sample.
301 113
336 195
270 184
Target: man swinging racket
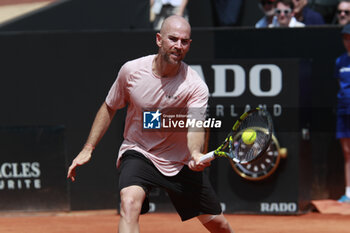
165 159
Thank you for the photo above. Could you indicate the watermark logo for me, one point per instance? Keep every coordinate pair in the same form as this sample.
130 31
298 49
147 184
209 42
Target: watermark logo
152 120
175 120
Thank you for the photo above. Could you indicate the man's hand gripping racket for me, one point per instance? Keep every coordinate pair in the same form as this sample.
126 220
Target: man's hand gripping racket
248 139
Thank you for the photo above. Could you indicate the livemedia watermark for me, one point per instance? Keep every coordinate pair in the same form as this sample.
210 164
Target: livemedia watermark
177 121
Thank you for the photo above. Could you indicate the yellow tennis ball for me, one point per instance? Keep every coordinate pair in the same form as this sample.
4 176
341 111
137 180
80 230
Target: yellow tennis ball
249 136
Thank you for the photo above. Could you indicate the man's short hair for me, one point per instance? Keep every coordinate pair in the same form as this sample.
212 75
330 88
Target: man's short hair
285 2
340 1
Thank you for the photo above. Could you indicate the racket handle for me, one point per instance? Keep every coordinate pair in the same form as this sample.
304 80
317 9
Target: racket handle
207 157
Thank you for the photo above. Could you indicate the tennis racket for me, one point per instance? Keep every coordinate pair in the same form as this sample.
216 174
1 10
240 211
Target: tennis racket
248 139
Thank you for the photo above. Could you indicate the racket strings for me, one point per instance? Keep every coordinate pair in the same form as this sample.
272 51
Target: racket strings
260 123
250 152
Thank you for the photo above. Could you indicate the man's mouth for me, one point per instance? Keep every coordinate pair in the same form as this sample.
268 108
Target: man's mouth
176 55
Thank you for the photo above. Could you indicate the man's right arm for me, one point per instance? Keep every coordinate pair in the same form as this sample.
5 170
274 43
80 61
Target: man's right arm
101 123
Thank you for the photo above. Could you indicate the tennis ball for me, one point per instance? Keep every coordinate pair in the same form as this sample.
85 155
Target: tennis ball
249 136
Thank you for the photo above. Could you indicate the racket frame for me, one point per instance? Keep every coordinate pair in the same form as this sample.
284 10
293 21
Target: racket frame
229 140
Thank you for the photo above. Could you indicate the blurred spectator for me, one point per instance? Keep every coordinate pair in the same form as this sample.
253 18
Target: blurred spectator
326 8
342 73
306 15
343 12
284 15
161 9
227 12
267 6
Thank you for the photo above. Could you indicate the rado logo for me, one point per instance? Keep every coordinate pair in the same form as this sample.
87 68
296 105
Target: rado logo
278 207
239 80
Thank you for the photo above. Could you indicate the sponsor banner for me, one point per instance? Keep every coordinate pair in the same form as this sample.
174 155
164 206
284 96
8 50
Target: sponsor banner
236 86
278 207
32 169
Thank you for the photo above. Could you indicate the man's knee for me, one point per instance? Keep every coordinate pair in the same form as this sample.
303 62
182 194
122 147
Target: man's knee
215 223
131 201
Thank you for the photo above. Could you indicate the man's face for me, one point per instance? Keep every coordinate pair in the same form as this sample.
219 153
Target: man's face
284 14
267 6
343 13
174 43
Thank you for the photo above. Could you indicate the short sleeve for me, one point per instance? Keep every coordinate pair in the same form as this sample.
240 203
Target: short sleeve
117 97
198 102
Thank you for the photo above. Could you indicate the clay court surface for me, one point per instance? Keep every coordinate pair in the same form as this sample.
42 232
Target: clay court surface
107 221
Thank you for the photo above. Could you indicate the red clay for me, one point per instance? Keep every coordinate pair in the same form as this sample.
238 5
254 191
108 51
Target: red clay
107 221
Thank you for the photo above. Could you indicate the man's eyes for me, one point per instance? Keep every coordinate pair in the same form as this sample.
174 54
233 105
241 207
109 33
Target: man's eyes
184 41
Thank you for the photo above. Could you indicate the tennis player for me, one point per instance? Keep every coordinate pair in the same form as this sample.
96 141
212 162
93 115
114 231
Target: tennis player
166 159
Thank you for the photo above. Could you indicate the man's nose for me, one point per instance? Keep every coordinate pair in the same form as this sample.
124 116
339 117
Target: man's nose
178 44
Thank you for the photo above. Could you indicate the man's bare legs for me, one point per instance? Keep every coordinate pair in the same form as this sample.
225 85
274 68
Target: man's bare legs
132 198
131 202
215 223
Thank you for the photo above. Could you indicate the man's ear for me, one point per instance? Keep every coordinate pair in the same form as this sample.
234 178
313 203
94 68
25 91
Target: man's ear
159 39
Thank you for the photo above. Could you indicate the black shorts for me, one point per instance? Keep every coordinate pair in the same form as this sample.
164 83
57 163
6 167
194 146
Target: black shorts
190 192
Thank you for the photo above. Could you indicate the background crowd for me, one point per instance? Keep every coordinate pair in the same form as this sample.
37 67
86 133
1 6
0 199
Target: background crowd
277 13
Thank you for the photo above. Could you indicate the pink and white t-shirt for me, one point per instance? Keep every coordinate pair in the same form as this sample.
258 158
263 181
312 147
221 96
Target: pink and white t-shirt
138 88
